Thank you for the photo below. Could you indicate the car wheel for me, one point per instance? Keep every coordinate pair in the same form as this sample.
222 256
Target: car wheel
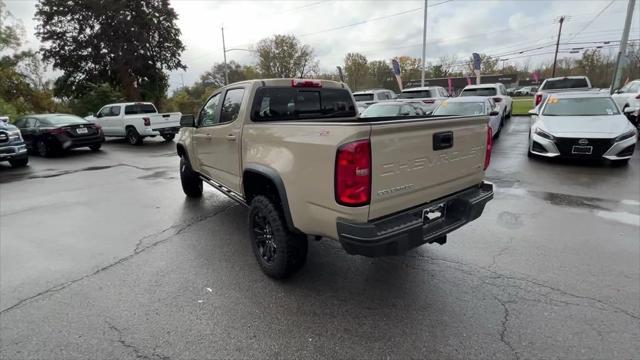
18 163
168 137
133 137
497 133
43 149
279 252
95 147
191 182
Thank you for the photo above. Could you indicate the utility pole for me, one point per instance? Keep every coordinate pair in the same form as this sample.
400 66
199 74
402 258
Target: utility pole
555 57
424 43
224 53
622 52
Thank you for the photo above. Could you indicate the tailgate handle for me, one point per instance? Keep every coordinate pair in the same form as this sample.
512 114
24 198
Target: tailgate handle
443 140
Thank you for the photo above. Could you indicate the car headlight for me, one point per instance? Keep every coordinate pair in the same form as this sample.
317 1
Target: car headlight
629 134
544 134
15 135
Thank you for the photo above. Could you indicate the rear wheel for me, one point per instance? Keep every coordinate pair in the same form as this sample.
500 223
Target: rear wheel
168 137
133 137
279 252
191 182
18 163
43 149
95 147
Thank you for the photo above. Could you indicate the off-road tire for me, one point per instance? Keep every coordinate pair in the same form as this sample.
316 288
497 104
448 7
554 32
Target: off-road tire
290 248
133 137
18 163
191 182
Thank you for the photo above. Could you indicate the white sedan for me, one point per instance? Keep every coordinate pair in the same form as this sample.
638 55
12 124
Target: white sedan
581 125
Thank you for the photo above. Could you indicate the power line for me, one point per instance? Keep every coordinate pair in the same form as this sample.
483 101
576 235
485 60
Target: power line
594 19
371 20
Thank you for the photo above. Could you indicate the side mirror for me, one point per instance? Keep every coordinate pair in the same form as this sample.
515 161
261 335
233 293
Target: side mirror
494 113
188 121
99 115
533 112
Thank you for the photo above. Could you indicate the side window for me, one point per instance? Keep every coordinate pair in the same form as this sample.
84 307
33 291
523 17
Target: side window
104 111
407 110
209 114
115 111
20 123
30 123
231 105
634 88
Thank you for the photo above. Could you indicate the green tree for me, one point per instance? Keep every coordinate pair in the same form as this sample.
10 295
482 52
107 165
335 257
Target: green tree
356 71
381 75
127 44
284 56
410 67
235 72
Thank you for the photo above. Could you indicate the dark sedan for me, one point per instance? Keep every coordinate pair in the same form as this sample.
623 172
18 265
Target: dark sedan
50 134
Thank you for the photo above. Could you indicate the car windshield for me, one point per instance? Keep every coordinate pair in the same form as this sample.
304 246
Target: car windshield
589 106
566 83
460 108
416 94
63 120
363 97
479 92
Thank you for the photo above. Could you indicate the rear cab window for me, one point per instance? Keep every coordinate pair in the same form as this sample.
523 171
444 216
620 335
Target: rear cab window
566 83
417 94
139 109
488 91
363 97
274 103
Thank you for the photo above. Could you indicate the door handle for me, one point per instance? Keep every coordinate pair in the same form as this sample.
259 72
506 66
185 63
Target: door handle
230 137
206 136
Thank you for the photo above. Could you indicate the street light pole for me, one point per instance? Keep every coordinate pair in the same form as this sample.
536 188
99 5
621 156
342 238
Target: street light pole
224 52
555 57
622 52
424 43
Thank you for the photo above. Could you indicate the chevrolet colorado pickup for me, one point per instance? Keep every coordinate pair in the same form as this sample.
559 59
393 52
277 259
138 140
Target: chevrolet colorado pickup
295 152
135 121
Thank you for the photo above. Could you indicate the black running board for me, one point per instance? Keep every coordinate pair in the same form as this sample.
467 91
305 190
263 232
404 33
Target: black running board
225 190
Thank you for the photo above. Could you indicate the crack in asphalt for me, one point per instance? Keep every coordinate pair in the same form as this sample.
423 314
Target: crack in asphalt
138 249
139 354
504 327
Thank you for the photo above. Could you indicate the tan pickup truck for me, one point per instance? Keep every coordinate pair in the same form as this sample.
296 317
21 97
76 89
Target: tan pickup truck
295 152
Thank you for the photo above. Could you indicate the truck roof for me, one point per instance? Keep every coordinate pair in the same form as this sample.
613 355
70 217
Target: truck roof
288 82
420 88
481 86
131 103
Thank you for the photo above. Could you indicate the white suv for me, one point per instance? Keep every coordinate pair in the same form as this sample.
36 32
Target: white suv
496 91
365 98
431 96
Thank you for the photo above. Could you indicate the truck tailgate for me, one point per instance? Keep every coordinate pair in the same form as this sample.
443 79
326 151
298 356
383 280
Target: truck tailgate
159 121
417 161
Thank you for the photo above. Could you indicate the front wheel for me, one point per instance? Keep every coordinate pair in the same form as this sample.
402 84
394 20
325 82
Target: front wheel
95 147
18 163
279 252
133 137
191 182
168 137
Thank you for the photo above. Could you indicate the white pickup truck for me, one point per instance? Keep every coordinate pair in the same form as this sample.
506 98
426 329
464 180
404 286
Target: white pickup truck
135 121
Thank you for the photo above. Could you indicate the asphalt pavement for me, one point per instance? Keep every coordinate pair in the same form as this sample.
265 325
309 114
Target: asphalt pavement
103 257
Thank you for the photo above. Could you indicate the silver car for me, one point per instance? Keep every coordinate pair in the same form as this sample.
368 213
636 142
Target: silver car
581 125
473 105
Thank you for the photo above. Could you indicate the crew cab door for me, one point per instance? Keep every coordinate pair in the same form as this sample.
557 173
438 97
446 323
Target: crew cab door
110 118
217 138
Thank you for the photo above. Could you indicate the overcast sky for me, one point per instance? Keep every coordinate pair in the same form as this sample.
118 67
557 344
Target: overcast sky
381 29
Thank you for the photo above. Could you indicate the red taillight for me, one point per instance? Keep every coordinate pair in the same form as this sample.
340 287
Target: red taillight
306 83
487 154
56 131
428 101
353 173
497 99
538 99
147 121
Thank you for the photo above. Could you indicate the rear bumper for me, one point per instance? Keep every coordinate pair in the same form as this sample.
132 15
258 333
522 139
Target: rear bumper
403 231
67 142
161 131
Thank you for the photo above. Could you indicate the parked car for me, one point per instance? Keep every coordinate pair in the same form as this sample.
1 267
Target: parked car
4 119
50 134
395 108
432 96
496 91
368 97
525 91
295 152
581 125
628 99
12 147
473 106
561 84
135 121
